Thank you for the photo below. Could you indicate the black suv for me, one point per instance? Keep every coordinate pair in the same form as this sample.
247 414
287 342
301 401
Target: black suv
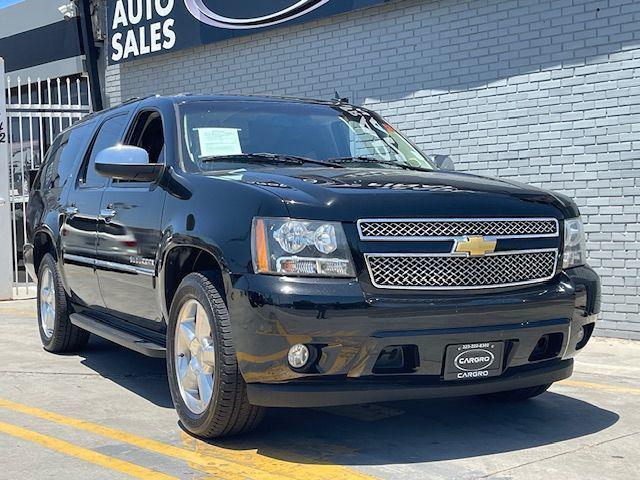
295 253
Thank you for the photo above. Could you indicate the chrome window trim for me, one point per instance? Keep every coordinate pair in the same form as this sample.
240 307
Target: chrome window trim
475 287
110 265
454 238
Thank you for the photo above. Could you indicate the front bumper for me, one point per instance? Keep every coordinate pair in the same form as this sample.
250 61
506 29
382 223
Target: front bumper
351 328
326 394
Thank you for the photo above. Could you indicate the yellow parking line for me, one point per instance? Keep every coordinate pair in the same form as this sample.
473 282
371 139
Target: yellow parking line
83 453
600 386
224 463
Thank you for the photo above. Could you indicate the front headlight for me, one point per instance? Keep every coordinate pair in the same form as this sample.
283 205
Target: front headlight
574 244
284 246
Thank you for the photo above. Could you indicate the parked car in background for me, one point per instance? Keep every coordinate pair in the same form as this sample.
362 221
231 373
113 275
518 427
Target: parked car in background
297 253
22 161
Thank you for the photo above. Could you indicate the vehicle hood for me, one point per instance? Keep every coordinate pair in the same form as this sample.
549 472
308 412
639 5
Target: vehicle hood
347 194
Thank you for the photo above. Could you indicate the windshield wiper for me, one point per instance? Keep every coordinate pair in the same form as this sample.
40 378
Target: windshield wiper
267 157
364 159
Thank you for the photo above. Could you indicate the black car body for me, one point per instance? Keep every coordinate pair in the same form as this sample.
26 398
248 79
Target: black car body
456 284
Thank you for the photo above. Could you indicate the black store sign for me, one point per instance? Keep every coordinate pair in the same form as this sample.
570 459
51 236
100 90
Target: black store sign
141 28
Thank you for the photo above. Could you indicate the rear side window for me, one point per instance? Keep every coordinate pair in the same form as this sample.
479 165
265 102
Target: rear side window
110 134
64 156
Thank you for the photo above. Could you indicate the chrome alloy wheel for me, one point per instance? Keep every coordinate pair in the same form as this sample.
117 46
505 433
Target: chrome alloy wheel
47 303
194 356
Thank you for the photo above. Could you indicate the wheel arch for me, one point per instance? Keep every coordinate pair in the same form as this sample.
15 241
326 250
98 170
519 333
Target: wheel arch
43 243
182 259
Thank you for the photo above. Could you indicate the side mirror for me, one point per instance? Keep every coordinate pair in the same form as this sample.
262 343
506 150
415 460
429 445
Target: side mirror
443 162
127 163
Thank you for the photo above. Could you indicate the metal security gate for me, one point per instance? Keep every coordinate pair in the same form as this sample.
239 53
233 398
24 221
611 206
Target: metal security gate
37 111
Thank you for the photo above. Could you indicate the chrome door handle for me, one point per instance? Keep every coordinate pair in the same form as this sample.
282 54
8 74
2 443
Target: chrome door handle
107 214
71 211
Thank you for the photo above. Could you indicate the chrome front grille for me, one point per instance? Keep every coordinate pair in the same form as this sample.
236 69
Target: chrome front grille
478 257
445 271
429 229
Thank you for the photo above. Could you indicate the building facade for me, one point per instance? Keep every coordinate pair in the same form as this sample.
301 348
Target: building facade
545 92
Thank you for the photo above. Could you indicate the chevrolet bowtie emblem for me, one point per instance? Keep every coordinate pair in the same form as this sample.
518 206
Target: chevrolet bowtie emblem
475 246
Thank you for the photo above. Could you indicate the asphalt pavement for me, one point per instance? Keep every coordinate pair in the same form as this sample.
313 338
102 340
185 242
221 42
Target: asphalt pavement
106 413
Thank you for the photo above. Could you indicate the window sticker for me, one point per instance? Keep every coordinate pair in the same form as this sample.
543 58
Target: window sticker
216 141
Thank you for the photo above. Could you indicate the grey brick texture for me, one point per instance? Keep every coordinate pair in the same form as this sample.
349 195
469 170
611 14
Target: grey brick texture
545 92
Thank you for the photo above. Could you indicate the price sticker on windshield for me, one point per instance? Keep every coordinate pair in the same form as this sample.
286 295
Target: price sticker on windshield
216 141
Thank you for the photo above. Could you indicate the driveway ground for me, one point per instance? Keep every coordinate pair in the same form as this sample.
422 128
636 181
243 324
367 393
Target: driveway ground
106 413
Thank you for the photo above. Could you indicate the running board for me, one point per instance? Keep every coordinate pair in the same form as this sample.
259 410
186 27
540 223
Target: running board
114 335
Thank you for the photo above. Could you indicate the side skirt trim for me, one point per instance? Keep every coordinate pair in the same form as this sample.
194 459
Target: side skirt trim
126 339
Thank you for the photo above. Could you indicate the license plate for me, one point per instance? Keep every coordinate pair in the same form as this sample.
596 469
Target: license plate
473 361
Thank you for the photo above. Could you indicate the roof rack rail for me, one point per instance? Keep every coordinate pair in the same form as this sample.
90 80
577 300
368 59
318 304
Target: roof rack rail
126 102
137 99
338 99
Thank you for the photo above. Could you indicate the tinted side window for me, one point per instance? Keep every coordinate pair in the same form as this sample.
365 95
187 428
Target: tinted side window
109 135
64 156
46 173
148 134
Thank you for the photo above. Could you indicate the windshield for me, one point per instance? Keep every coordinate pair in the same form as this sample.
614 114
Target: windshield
221 135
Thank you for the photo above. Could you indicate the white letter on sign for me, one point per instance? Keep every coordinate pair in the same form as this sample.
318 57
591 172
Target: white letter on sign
119 15
166 10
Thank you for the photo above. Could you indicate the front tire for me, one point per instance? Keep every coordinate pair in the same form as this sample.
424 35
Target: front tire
520 394
57 333
206 385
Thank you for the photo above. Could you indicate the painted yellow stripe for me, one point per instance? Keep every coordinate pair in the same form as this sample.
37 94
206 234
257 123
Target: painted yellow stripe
600 386
296 466
224 463
85 454
221 468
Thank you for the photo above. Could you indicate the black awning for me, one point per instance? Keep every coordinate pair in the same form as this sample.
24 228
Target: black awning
42 45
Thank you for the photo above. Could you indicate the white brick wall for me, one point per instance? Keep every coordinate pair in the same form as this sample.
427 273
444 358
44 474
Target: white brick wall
545 92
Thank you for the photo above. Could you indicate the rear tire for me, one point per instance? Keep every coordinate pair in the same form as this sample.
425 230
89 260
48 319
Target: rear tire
207 388
57 333
520 394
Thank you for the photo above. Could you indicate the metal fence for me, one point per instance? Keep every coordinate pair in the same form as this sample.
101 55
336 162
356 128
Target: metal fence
37 111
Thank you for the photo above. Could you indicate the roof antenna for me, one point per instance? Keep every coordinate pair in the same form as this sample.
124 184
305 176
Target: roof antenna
340 99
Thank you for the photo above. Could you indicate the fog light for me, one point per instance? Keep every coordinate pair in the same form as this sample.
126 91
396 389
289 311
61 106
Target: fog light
580 335
585 333
298 355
